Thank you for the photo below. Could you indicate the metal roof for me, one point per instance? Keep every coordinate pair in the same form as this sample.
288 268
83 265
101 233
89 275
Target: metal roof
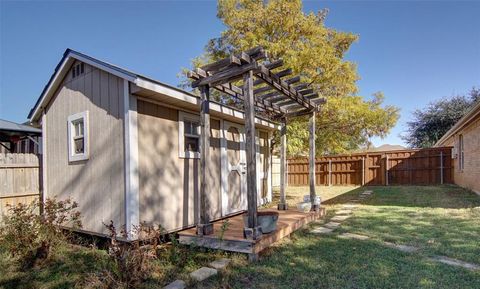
9 126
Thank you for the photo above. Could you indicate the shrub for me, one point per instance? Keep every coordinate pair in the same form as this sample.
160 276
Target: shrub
130 262
29 236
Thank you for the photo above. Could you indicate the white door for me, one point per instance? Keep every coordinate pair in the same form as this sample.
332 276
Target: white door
234 168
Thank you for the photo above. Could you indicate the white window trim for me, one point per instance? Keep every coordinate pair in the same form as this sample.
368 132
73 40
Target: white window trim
72 156
182 116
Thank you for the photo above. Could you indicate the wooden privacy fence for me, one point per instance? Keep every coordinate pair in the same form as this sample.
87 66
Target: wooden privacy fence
19 179
401 167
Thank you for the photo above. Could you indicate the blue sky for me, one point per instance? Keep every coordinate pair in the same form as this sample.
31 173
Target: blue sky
413 51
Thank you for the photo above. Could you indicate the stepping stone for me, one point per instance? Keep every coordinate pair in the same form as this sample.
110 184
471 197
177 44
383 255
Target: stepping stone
332 225
403 248
343 212
220 264
177 284
203 273
321 230
353 236
340 218
455 262
355 200
367 193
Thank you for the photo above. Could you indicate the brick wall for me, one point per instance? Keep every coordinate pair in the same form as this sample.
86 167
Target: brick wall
470 176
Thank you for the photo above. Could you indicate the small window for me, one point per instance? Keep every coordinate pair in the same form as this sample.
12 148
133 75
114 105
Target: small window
78 136
189 135
461 155
192 136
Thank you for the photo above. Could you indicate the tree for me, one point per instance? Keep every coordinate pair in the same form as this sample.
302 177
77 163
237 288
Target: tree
431 123
314 52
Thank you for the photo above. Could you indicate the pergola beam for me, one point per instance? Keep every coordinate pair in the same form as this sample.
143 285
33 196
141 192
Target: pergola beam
255 53
232 59
227 75
279 74
283 87
237 92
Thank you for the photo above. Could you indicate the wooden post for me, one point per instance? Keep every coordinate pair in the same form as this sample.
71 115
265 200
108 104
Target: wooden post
283 154
252 232
329 173
312 162
204 227
363 171
386 170
441 167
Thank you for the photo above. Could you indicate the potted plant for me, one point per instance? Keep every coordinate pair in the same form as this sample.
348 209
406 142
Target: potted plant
267 221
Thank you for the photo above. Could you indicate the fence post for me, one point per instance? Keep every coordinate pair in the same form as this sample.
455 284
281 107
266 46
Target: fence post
363 171
441 167
329 173
386 169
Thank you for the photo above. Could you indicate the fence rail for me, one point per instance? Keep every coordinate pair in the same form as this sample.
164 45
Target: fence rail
404 167
19 179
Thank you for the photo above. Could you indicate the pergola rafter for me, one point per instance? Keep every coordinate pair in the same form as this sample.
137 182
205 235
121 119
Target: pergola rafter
263 86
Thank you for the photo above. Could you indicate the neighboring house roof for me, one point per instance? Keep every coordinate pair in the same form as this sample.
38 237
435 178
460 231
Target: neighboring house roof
473 113
70 56
388 147
9 130
12 127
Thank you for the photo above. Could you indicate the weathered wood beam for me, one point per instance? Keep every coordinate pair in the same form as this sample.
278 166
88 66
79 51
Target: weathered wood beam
279 98
279 74
306 91
274 64
320 100
301 86
283 164
232 59
291 106
283 87
297 113
204 227
257 53
311 95
293 80
276 97
275 92
225 76
262 89
252 232
236 92
311 161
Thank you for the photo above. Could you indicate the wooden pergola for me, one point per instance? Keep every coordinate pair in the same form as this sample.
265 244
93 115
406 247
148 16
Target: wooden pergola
266 91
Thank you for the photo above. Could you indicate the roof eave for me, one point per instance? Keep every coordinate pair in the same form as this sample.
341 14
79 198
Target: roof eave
472 113
61 70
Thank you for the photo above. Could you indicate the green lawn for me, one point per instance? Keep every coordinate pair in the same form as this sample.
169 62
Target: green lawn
440 220
443 220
